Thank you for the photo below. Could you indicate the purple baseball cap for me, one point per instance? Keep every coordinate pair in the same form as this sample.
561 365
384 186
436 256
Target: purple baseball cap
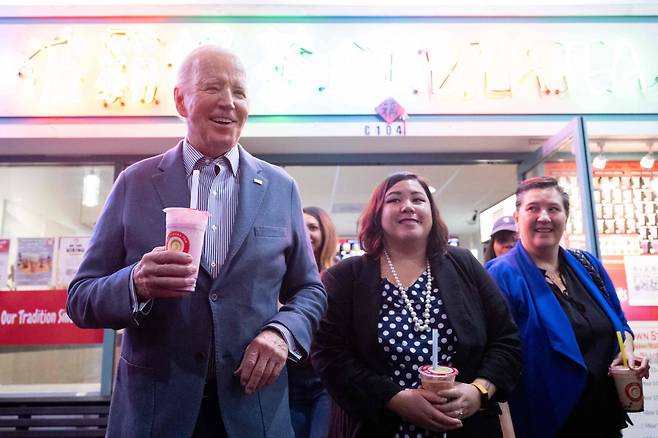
505 223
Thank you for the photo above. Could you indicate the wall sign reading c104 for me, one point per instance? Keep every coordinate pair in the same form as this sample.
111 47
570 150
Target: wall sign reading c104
383 130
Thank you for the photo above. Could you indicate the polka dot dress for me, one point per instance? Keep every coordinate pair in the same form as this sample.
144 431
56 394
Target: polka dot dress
407 349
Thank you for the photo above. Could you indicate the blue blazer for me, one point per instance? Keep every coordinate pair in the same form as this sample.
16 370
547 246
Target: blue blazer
165 354
554 372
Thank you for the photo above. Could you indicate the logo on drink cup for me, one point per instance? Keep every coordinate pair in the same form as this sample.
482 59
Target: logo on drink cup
177 241
634 391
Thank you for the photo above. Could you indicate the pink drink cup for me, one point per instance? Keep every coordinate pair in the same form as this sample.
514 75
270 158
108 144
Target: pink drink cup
185 232
629 388
437 379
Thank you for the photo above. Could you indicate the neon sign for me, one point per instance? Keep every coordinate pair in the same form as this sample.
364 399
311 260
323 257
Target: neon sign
338 68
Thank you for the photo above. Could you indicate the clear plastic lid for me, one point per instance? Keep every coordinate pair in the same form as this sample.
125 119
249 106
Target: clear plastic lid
186 218
439 371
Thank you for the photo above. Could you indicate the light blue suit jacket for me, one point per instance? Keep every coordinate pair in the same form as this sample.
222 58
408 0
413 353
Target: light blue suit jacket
164 356
554 371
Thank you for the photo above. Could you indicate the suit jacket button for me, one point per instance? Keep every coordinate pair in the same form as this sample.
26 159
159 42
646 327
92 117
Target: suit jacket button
200 357
213 297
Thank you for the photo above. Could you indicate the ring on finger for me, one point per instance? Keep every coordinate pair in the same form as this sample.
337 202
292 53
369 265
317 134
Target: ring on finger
460 414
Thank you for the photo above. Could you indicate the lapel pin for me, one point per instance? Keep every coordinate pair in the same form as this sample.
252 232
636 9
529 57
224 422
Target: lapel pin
258 181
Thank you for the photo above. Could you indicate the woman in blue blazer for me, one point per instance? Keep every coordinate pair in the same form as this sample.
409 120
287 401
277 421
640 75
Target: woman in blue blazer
567 324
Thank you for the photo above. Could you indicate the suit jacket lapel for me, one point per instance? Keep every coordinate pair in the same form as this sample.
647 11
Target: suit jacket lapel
171 182
367 305
253 186
451 286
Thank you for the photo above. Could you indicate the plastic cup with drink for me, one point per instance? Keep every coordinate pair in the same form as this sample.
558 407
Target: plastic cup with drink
627 382
186 228
629 388
435 377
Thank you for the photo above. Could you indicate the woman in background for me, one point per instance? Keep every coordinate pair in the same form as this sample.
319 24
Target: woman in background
503 238
322 234
310 402
378 328
568 312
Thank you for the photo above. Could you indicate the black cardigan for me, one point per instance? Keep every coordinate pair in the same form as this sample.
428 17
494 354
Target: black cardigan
352 365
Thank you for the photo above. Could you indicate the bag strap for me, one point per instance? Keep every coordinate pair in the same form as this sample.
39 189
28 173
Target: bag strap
591 271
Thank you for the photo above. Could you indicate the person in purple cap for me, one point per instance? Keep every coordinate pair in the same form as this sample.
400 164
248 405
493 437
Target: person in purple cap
503 238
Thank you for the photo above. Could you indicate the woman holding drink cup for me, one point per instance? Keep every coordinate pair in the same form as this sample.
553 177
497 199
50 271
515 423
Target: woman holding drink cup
568 312
377 332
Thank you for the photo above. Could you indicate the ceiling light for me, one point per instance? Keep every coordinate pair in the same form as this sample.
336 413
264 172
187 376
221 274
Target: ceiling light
600 160
432 189
647 161
91 185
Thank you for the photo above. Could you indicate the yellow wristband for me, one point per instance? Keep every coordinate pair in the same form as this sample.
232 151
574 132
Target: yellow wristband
484 395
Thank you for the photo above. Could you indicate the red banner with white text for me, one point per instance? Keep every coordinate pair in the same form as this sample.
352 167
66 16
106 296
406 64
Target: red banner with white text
39 318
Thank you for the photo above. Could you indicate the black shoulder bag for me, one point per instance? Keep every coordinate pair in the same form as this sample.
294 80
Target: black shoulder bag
591 271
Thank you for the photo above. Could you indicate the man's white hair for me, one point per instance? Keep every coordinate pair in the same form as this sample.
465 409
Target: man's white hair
190 62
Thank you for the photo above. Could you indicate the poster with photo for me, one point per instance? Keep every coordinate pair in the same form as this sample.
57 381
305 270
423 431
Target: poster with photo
642 280
4 262
34 261
69 256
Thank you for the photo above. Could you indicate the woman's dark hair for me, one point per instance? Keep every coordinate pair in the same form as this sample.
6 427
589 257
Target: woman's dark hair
371 233
326 257
489 252
541 182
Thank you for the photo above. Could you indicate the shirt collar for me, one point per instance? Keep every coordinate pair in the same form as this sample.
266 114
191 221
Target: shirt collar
191 157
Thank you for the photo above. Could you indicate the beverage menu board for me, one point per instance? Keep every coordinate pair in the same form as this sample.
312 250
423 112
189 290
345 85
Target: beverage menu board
625 202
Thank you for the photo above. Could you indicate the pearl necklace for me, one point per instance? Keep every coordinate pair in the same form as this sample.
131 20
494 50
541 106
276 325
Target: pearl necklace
419 325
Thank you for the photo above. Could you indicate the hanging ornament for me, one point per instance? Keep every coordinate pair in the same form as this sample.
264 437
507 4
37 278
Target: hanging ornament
390 110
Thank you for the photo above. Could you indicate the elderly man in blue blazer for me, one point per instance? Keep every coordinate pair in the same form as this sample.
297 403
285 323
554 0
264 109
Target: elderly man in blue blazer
208 362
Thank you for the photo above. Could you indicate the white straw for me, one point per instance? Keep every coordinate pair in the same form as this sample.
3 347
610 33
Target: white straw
195 189
435 359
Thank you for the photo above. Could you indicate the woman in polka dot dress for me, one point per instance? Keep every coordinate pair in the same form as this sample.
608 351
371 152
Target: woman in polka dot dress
382 308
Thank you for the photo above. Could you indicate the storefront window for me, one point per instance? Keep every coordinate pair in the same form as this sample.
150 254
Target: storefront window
625 181
47 213
561 164
625 194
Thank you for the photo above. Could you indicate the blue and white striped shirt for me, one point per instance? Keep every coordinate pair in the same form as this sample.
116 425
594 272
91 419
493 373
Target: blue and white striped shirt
218 194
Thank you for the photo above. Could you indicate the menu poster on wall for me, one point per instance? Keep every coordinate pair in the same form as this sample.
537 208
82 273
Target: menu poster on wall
69 257
642 280
4 262
34 261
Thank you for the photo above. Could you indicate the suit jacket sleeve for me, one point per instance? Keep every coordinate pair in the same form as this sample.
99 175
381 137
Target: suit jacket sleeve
99 295
356 386
302 293
501 361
